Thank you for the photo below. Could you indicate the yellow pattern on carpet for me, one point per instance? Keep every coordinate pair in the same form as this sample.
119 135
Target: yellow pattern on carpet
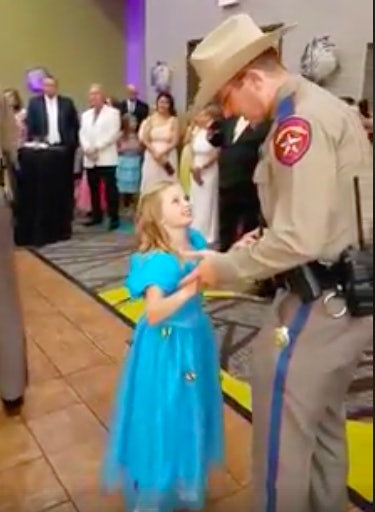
360 434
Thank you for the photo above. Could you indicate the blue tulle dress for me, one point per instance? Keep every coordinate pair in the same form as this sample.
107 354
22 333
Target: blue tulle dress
167 428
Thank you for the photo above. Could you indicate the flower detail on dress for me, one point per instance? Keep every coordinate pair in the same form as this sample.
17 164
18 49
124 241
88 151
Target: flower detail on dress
190 376
166 332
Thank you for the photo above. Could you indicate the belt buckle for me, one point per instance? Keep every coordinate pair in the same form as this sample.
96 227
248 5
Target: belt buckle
282 337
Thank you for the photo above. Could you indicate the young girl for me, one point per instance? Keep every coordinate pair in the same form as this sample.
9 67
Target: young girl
129 164
167 428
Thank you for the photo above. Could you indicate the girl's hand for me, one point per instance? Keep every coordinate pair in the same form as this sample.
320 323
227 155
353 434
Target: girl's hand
191 289
205 272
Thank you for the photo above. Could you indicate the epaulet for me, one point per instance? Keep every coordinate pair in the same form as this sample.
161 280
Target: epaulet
285 108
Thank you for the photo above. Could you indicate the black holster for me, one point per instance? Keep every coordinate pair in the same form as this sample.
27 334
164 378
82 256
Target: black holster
351 277
356 271
304 282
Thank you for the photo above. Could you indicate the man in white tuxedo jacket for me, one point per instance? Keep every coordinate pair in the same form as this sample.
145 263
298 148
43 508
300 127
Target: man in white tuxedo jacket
99 133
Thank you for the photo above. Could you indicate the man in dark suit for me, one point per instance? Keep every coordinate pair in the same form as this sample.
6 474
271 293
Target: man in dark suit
238 198
53 119
133 106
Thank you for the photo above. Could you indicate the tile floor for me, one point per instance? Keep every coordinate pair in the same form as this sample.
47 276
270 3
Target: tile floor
50 456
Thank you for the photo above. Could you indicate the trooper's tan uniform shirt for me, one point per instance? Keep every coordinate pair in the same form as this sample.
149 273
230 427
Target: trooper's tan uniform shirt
299 381
308 205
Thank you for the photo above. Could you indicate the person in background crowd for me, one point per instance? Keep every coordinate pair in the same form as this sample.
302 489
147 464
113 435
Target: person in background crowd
53 118
186 156
99 133
83 194
129 163
351 103
348 100
13 362
366 118
160 137
204 188
13 97
143 125
133 105
363 111
113 102
238 197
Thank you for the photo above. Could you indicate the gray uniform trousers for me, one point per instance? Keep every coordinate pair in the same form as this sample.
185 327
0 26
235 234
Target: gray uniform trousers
298 389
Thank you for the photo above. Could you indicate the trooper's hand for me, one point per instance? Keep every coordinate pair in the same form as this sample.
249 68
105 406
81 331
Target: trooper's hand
249 238
205 272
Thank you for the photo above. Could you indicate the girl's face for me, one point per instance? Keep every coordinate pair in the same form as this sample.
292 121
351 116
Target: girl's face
163 106
175 208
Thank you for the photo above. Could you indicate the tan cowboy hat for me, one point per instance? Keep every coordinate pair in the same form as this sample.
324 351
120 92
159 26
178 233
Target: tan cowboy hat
227 50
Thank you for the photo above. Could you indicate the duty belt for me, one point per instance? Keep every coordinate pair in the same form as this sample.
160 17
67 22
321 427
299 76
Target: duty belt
326 275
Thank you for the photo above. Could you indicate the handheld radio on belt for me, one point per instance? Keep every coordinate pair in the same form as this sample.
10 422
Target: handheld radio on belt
356 269
351 278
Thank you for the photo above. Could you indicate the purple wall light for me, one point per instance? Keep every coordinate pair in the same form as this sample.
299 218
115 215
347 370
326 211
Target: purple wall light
135 36
34 79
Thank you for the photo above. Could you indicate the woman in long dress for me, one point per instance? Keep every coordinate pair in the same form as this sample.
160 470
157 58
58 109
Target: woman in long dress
204 188
13 97
160 136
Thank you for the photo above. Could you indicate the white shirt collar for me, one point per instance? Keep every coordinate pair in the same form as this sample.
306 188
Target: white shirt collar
240 127
50 100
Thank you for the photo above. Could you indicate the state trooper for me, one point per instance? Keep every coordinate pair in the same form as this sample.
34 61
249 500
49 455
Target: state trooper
13 366
304 357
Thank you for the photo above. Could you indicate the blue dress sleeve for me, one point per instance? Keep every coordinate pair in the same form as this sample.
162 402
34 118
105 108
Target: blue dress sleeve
152 269
197 240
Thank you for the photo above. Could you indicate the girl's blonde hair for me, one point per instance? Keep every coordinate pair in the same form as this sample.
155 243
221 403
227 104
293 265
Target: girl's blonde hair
150 232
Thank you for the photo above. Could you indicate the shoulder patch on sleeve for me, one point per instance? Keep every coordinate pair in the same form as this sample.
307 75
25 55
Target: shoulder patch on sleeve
292 140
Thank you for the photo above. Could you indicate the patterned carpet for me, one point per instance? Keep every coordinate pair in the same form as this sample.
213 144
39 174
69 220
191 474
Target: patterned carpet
98 261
